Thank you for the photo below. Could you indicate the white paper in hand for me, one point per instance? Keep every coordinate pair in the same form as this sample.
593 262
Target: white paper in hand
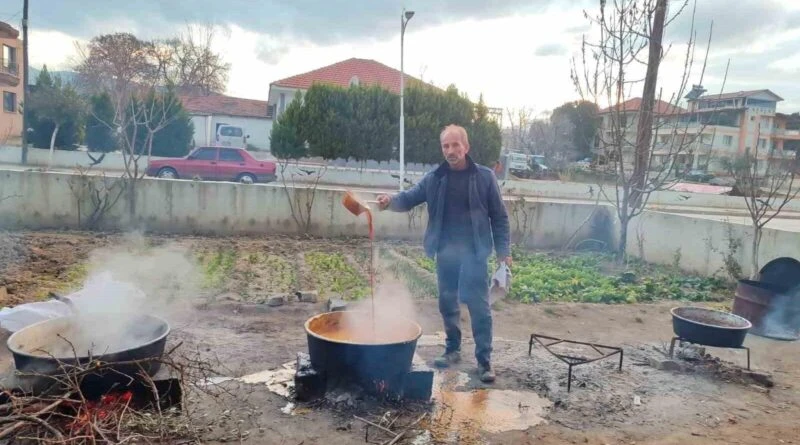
501 283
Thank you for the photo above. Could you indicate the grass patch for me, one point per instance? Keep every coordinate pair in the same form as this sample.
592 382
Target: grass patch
217 267
420 284
593 278
282 274
332 273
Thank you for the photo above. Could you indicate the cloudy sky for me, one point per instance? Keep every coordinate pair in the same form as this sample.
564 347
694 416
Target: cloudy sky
516 52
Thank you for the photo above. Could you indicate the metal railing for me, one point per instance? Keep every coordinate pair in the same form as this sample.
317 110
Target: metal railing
9 67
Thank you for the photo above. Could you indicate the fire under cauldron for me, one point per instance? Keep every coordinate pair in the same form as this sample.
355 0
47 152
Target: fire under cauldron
343 349
131 345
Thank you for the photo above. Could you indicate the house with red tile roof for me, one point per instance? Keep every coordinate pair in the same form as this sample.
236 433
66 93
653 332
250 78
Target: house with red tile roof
210 112
346 73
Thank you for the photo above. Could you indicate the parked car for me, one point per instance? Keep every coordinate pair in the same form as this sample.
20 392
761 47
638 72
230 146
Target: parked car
215 163
231 136
697 175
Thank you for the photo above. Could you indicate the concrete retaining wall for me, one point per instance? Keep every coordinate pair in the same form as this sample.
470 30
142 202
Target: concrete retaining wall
49 201
46 201
702 245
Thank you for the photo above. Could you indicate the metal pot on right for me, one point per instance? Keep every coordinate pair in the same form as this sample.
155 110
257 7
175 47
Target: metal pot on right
709 327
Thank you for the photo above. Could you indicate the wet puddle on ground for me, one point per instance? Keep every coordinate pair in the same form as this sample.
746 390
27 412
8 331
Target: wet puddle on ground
461 415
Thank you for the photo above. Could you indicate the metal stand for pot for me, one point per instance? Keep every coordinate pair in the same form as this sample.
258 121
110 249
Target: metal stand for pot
603 351
674 339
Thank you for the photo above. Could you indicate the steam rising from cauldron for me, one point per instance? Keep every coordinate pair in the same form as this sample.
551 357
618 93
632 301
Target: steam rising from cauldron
123 282
393 306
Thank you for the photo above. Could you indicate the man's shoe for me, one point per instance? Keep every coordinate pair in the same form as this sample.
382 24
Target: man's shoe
486 374
447 359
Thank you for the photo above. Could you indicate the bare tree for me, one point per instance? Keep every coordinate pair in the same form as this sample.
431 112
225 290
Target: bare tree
136 124
119 63
767 186
518 135
552 137
189 62
630 45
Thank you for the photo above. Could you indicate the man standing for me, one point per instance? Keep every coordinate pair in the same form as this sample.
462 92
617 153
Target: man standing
466 219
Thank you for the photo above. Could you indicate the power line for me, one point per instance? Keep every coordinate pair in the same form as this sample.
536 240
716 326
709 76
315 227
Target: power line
8 18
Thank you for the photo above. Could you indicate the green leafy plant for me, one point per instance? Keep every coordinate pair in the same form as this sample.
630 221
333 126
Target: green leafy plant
333 274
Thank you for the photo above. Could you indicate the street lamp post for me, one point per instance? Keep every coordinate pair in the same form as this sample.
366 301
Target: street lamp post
404 18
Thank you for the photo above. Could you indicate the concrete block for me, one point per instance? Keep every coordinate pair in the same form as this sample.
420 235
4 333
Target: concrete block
303 361
307 296
335 304
664 364
276 300
418 383
308 383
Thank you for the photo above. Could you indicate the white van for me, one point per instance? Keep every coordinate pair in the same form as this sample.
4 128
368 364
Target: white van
231 136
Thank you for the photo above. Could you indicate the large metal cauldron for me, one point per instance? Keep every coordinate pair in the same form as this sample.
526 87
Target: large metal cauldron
709 327
45 347
377 364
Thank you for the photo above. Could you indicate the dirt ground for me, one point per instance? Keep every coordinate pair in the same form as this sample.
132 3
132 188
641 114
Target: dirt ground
708 402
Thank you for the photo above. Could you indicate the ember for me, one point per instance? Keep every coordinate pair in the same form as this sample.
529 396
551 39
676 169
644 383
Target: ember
106 412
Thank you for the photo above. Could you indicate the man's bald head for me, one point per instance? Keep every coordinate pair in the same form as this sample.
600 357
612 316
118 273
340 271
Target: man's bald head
455 146
458 130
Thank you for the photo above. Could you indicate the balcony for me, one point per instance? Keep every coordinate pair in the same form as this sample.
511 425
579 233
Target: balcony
792 135
9 73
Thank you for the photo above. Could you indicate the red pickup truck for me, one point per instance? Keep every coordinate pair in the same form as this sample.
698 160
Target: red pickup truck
216 164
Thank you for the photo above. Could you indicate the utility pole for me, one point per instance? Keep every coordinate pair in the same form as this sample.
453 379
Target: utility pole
404 18
25 82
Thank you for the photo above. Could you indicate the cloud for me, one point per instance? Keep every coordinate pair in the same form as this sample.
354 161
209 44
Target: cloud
270 51
319 21
734 24
551 49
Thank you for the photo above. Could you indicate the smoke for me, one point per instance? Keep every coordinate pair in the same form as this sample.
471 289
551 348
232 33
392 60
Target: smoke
125 283
783 318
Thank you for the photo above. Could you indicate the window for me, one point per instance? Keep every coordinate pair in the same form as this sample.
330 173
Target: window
282 104
230 131
228 155
9 59
354 82
762 143
9 102
727 141
205 154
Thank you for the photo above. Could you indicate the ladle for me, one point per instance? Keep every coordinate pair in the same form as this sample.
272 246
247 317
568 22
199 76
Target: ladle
357 207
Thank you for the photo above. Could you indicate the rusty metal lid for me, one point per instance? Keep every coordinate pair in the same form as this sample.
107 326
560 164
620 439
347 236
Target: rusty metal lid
783 272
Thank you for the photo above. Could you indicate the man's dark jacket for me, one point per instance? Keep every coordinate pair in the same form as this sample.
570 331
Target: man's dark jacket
488 213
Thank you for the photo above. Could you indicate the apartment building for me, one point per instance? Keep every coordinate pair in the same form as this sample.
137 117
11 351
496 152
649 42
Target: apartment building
624 118
10 84
714 127
734 124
